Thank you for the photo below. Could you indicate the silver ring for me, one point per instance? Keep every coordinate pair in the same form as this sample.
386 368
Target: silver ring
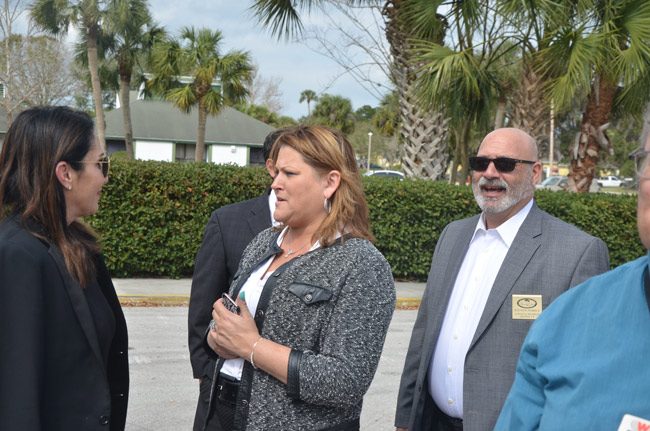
212 325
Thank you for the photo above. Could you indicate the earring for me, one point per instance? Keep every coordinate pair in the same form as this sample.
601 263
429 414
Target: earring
327 205
69 187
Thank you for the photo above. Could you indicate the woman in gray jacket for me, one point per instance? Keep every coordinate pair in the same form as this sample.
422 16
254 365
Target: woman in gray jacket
314 299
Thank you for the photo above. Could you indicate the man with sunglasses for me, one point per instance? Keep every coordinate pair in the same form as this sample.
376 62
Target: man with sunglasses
490 276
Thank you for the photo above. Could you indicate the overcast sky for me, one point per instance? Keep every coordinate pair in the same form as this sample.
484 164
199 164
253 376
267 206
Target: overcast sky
298 66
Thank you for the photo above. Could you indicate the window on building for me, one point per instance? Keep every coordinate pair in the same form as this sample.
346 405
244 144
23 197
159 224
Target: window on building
185 152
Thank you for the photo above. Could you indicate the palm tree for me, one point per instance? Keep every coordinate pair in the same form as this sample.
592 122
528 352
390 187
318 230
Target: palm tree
336 112
56 16
196 54
598 53
133 35
423 133
308 96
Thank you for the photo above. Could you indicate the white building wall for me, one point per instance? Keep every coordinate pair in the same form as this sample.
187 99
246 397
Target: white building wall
222 154
160 151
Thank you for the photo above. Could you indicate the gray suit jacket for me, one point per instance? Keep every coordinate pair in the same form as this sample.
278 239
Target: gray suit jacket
227 234
547 257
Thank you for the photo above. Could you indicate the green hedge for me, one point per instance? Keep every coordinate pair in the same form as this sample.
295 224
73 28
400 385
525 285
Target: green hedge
152 216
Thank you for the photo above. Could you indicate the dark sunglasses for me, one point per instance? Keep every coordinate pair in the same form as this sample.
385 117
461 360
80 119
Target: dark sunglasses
103 163
502 164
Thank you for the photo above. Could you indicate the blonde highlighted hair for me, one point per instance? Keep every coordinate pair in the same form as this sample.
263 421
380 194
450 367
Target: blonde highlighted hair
326 150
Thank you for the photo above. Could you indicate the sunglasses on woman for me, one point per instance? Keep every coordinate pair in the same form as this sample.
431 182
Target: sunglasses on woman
502 164
104 163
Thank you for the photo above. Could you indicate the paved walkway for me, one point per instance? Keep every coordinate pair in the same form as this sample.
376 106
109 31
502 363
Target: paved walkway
176 292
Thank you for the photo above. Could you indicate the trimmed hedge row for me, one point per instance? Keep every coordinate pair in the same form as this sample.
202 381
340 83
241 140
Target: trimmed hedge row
152 216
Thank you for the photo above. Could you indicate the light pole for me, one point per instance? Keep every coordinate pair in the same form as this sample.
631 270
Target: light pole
369 147
551 141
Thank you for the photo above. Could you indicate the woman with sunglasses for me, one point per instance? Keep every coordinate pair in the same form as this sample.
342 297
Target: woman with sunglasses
63 337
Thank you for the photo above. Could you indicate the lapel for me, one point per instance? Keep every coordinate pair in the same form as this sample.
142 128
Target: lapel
526 242
78 300
440 294
259 214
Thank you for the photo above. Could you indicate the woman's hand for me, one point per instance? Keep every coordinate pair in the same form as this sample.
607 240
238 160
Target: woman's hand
233 334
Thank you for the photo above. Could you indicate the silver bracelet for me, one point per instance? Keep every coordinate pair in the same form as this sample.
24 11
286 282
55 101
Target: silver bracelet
213 325
251 358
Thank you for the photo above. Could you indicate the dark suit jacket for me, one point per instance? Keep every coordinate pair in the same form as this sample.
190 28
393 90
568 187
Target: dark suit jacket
228 232
52 374
546 257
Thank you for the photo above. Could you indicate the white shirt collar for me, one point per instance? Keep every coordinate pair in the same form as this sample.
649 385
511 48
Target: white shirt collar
314 246
508 229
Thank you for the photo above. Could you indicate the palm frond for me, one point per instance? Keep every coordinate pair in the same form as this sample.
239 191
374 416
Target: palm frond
213 102
183 98
453 81
422 19
568 63
280 16
633 97
53 16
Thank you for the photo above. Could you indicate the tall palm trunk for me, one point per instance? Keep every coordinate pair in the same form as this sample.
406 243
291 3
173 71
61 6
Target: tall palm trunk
423 133
125 97
93 68
530 111
199 155
592 137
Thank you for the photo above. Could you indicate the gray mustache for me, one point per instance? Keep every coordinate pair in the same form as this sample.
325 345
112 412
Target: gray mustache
494 182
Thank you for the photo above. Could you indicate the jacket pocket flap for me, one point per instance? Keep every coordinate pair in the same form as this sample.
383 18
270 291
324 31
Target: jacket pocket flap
309 293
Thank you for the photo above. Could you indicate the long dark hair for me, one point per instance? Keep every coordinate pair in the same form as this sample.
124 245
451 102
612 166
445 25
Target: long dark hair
37 140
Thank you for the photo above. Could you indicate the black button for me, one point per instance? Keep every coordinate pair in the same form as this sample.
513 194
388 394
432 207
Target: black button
260 313
103 420
244 402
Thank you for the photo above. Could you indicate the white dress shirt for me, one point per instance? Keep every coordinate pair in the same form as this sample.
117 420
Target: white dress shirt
273 199
486 252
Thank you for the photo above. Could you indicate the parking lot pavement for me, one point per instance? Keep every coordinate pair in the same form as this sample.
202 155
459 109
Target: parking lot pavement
163 393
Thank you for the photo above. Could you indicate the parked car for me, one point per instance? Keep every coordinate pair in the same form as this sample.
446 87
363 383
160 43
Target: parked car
555 183
385 173
609 181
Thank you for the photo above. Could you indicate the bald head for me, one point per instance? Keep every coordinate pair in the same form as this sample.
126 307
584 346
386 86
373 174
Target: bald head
502 193
518 143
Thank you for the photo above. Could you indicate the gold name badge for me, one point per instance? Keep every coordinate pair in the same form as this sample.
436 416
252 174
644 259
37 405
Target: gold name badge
526 307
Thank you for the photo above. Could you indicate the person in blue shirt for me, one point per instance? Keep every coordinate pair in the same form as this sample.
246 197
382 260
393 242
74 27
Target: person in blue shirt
584 363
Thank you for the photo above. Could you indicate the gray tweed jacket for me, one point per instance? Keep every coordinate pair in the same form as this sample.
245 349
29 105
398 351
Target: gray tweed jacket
332 306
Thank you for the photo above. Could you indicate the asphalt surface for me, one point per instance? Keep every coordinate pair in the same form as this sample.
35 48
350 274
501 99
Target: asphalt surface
163 393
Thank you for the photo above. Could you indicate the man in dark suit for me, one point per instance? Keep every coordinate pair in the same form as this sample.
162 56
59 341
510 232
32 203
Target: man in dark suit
228 232
489 277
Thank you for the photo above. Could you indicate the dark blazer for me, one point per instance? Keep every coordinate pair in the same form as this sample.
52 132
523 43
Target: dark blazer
52 374
228 232
547 257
